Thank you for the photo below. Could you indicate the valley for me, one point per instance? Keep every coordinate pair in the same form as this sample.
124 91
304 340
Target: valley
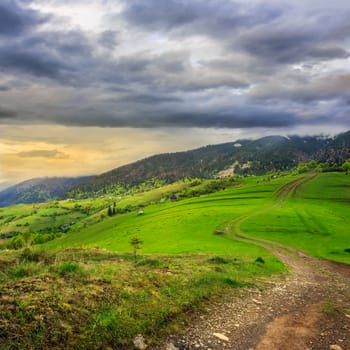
217 239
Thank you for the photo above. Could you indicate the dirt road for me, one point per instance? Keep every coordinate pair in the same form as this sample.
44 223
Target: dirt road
308 309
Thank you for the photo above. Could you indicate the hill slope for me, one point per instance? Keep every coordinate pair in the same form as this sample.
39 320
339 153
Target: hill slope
256 157
271 153
39 190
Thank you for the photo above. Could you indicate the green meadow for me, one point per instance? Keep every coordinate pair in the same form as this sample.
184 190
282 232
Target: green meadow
314 219
183 227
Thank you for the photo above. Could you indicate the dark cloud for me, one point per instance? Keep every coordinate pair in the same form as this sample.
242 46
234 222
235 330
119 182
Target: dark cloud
161 116
210 17
177 63
7 113
108 39
329 53
289 46
58 55
267 31
312 90
147 99
165 73
246 117
42 154
33 63
15 19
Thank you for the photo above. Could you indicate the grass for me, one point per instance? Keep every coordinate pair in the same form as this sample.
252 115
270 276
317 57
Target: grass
315 219
92 299
83 290
184 227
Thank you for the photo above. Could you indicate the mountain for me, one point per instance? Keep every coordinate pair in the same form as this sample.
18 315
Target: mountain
271 153
251 157
337 150
39 190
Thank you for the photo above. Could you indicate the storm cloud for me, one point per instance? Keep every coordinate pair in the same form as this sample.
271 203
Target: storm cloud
176 63
15 19
6 113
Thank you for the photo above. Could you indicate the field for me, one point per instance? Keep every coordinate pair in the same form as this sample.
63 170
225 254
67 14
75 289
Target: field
315 219
186 226
83 288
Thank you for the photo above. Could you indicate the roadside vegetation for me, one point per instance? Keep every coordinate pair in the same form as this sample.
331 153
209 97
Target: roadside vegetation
91 298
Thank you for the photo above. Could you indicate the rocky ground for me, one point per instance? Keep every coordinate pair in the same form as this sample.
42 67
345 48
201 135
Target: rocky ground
309 309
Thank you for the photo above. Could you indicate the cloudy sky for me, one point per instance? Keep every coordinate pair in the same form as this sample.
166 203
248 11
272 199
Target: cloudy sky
86 86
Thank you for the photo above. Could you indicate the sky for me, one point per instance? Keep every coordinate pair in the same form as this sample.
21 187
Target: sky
86 86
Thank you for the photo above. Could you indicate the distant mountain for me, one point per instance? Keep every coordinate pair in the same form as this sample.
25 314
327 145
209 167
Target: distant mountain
337 150
39 190
271 153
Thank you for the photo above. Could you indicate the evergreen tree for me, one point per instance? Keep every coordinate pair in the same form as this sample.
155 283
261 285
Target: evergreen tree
136 243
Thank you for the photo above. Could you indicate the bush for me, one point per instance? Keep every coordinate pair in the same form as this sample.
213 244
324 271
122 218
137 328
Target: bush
69 269
28 255
15 243
219 260
43 238
260 260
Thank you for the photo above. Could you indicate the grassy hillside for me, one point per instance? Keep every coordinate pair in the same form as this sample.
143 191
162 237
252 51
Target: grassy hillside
55 217
83 289
252 157
186 226
315 219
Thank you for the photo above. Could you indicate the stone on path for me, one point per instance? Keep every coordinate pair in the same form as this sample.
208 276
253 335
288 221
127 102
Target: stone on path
139 342
171 346
220 336
335 347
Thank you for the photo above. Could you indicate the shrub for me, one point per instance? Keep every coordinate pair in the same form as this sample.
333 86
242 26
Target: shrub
28 255
69 269
218 260
43 238
15 243
260 260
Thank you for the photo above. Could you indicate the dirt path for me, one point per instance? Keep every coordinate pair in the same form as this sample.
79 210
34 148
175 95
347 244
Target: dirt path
309 309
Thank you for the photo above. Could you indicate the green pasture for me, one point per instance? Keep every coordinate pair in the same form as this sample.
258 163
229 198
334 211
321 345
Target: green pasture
316 219
182 227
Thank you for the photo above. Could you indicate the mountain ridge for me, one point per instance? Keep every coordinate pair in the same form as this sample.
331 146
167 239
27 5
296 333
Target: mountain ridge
249 157
242 157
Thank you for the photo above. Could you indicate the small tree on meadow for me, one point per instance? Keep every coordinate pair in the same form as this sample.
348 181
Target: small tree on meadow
346 167
136 244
